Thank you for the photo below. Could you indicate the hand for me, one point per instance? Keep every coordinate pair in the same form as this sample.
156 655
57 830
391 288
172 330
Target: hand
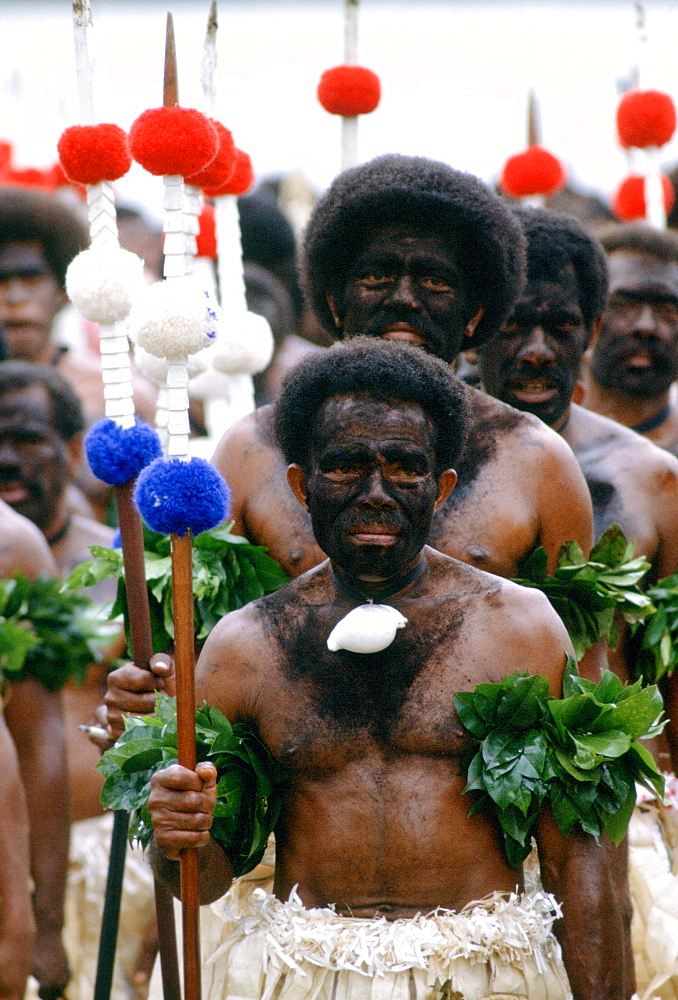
181 804
132 689
50 965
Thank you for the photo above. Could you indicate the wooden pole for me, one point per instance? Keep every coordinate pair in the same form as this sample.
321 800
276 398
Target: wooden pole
184 657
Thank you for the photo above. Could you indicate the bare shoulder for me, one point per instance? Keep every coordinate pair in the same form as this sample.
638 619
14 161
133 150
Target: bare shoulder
516 431
245 440
23 548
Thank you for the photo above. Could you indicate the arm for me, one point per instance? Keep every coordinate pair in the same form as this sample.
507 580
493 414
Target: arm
236 459
576 870
17 925
35 721
564 502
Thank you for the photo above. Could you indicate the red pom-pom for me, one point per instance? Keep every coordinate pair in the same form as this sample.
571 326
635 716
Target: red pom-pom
629 201
535 171
34 177
6 153
219 169
645 118
174 140
240 180
207 237
349 90
90 154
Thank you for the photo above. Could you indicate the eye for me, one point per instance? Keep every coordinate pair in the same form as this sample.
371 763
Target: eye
667 312
375 278
434 283
510 328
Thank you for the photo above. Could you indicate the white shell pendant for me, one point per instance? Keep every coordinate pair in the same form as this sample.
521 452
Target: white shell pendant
367 629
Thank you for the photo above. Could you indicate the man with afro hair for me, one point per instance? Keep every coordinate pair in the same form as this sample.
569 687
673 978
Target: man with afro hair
633 365
534 365
375 832
409 249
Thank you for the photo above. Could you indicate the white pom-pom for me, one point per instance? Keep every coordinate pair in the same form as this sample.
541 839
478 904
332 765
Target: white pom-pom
173 319
103 283
369 628
210 384
156 368
246 348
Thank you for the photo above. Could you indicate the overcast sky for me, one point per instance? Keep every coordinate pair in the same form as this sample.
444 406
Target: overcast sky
455 77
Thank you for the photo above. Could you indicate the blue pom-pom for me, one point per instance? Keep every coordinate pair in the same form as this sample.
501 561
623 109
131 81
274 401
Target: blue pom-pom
174 496
116 454
116 540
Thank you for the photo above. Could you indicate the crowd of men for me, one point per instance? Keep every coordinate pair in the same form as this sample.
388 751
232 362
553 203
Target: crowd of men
373 476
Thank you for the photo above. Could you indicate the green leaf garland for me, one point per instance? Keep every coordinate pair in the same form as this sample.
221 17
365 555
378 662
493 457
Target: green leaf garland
228 572
579 753
249 787
587 593
654 641
49 631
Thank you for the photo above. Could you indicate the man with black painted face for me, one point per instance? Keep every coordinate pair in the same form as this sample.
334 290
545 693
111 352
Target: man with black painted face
408 249
534 364
374 828
633 365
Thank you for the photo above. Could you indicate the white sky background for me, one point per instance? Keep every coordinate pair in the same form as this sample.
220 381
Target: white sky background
455 77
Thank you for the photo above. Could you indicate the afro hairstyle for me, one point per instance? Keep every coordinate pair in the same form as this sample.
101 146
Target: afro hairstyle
555 241
381 370
65 404
33 216
426 193
638 237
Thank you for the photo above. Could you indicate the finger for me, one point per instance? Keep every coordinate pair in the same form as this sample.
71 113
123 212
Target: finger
161 664
207 773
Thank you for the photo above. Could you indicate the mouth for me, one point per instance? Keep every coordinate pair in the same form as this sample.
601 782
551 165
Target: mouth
373 536
533 390
640 360
13 492
404 333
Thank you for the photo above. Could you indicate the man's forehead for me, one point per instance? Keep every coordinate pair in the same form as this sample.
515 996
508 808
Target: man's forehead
22 255
634 271
32 402
560 288
410 236
355 415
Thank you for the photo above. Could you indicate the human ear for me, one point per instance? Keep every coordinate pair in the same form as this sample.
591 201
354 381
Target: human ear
446 483
473 323
75 451
296 480
595 330
332 303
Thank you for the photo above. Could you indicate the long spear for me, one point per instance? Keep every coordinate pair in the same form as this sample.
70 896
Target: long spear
119 408
179 496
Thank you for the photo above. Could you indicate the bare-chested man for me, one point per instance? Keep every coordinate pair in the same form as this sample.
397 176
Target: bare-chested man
534 365
41 450
374 822
409 249
32 743
633 367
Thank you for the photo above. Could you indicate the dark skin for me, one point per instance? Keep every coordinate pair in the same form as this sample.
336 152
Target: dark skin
635 360
410 287
35 725
535 363
387 766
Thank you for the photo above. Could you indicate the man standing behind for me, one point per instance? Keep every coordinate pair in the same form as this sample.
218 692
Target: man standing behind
634 361
374 829
410 250
534 364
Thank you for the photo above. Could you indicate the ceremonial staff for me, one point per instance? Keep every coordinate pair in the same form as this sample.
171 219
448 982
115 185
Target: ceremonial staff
179 496
119 446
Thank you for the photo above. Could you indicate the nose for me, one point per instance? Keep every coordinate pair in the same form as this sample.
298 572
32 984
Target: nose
404 293
13 289
374 492
645 322
535 350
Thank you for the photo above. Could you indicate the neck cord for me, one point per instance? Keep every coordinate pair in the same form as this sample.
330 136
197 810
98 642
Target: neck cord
649 425
381 595
60 532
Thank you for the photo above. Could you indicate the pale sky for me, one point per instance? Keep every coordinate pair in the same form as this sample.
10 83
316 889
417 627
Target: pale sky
455 77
